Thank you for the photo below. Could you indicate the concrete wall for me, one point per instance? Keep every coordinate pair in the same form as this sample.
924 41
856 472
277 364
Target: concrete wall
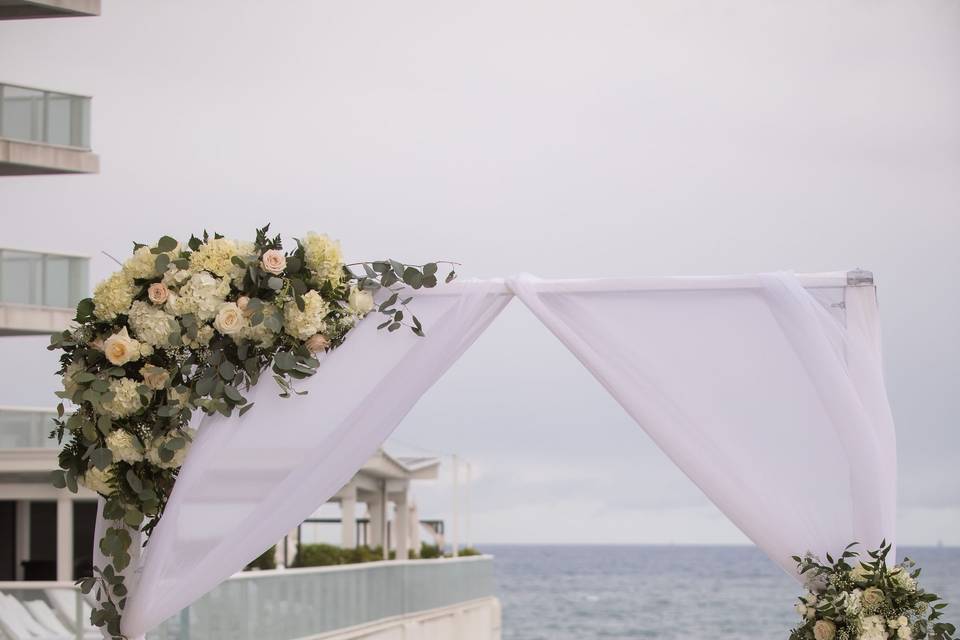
473 620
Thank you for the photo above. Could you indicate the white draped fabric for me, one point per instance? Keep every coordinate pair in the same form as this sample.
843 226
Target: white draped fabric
769 396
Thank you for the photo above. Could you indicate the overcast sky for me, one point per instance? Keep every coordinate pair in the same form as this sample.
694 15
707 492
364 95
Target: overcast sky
563 138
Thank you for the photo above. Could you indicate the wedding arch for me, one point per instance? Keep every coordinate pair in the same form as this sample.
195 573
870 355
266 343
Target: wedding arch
766 390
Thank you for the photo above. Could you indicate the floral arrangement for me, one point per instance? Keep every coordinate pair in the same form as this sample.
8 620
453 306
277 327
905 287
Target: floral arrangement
191 327
853 599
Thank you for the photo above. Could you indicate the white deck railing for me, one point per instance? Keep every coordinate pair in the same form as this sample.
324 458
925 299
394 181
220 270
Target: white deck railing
297 603
288 604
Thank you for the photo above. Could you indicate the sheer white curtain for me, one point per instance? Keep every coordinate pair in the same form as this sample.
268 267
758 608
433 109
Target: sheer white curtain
769 397
761 395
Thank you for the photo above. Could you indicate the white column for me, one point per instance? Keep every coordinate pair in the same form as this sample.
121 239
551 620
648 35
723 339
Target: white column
414 528
466 505
401 527
348 518
23 536
383 520
455 529
375 529
64 539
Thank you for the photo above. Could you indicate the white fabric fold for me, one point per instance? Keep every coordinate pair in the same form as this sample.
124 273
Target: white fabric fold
772 405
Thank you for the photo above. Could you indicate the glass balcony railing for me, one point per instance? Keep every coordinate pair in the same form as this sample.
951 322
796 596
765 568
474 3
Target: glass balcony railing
22 428
49 117
300 603
42 279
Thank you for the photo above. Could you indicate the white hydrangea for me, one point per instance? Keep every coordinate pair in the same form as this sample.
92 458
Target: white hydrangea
143 263
174 277
201 295
124 446
113 296
310 321
126 399
853 604
151 324
70 387
216 256
873 628
323 256
261 333
97 480
153 452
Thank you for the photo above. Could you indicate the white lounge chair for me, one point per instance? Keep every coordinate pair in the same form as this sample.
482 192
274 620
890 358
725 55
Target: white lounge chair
17 623
64 603
48 618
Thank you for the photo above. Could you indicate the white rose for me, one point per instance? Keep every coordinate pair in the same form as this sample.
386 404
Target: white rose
120 348
905 633
873 597
801 609
317 343
229 319
902 621
97 480
273 261
824 630
155 377
158 293
361 302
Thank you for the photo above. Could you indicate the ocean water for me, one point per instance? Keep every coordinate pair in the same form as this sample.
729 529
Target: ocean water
665 592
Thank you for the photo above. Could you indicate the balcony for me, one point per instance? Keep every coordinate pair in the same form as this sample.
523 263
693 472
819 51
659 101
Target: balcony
26 428
39 291
43 132
23 9
27 454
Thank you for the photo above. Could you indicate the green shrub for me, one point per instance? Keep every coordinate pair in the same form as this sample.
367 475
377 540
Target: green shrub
361 554
318 555
323 555
267 560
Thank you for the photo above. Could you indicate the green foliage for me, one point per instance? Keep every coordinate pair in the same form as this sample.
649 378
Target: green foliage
318 555
265 561
396 277
851 597
322 555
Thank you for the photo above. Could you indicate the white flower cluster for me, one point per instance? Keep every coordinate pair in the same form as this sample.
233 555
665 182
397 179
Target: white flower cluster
126 398
152 325
863 601
201 295
310 321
